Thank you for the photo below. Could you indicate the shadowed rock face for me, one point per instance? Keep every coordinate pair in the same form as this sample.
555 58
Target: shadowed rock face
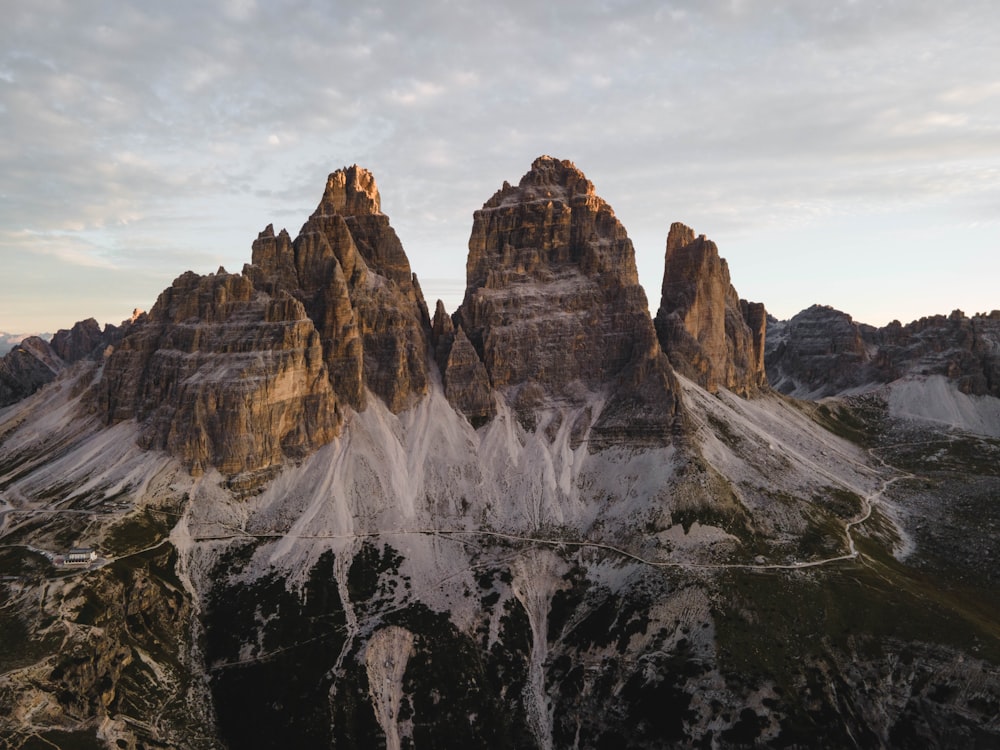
79 341
222 375
241 372
26 368
466 384
819 352
707 331
35 362
822 351
553 305
348 269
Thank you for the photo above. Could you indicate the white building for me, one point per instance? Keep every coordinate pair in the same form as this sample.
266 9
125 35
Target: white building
80 556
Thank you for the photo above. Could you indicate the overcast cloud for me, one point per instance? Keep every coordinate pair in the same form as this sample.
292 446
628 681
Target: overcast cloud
846 153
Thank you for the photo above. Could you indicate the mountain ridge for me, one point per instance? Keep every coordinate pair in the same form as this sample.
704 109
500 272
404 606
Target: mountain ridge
326 518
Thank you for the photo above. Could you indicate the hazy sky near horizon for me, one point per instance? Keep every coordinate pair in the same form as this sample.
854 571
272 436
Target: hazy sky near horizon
838 152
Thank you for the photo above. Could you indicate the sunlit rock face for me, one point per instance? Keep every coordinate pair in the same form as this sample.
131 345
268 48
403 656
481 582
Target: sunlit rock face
554 309
223 375
242 372
709 333
348 268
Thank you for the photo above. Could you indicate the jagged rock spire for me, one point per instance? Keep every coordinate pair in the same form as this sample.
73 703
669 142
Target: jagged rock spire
350 191
707 331
242 372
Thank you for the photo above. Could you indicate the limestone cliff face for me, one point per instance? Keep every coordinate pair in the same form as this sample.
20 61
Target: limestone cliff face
348 269
964 349
311 270
707 331
26 368
553 306
466 384
223 375
77 342
243 371
822 351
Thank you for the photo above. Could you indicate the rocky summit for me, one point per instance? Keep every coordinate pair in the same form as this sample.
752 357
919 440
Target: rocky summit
35 362
289 508
554 309
241 372
348 268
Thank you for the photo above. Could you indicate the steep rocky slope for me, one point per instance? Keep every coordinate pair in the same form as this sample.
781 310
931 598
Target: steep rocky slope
546 547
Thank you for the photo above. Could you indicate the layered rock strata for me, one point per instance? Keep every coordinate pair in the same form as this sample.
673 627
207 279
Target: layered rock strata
554 310
348 269
822 351
243 371
223 375
710 334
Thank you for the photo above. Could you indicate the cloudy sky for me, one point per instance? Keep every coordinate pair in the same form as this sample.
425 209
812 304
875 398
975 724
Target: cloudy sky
843 152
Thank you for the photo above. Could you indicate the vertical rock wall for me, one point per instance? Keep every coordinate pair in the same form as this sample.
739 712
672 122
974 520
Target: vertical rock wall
554 309
707 331
241 372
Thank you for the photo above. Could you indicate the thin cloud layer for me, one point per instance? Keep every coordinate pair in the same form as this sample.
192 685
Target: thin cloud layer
845 153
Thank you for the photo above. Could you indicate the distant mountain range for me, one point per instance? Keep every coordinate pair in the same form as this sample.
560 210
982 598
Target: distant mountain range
326 516
9 340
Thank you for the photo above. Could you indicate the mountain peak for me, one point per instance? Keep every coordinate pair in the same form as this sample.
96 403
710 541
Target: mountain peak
710 334
350 191
548 179
553 304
